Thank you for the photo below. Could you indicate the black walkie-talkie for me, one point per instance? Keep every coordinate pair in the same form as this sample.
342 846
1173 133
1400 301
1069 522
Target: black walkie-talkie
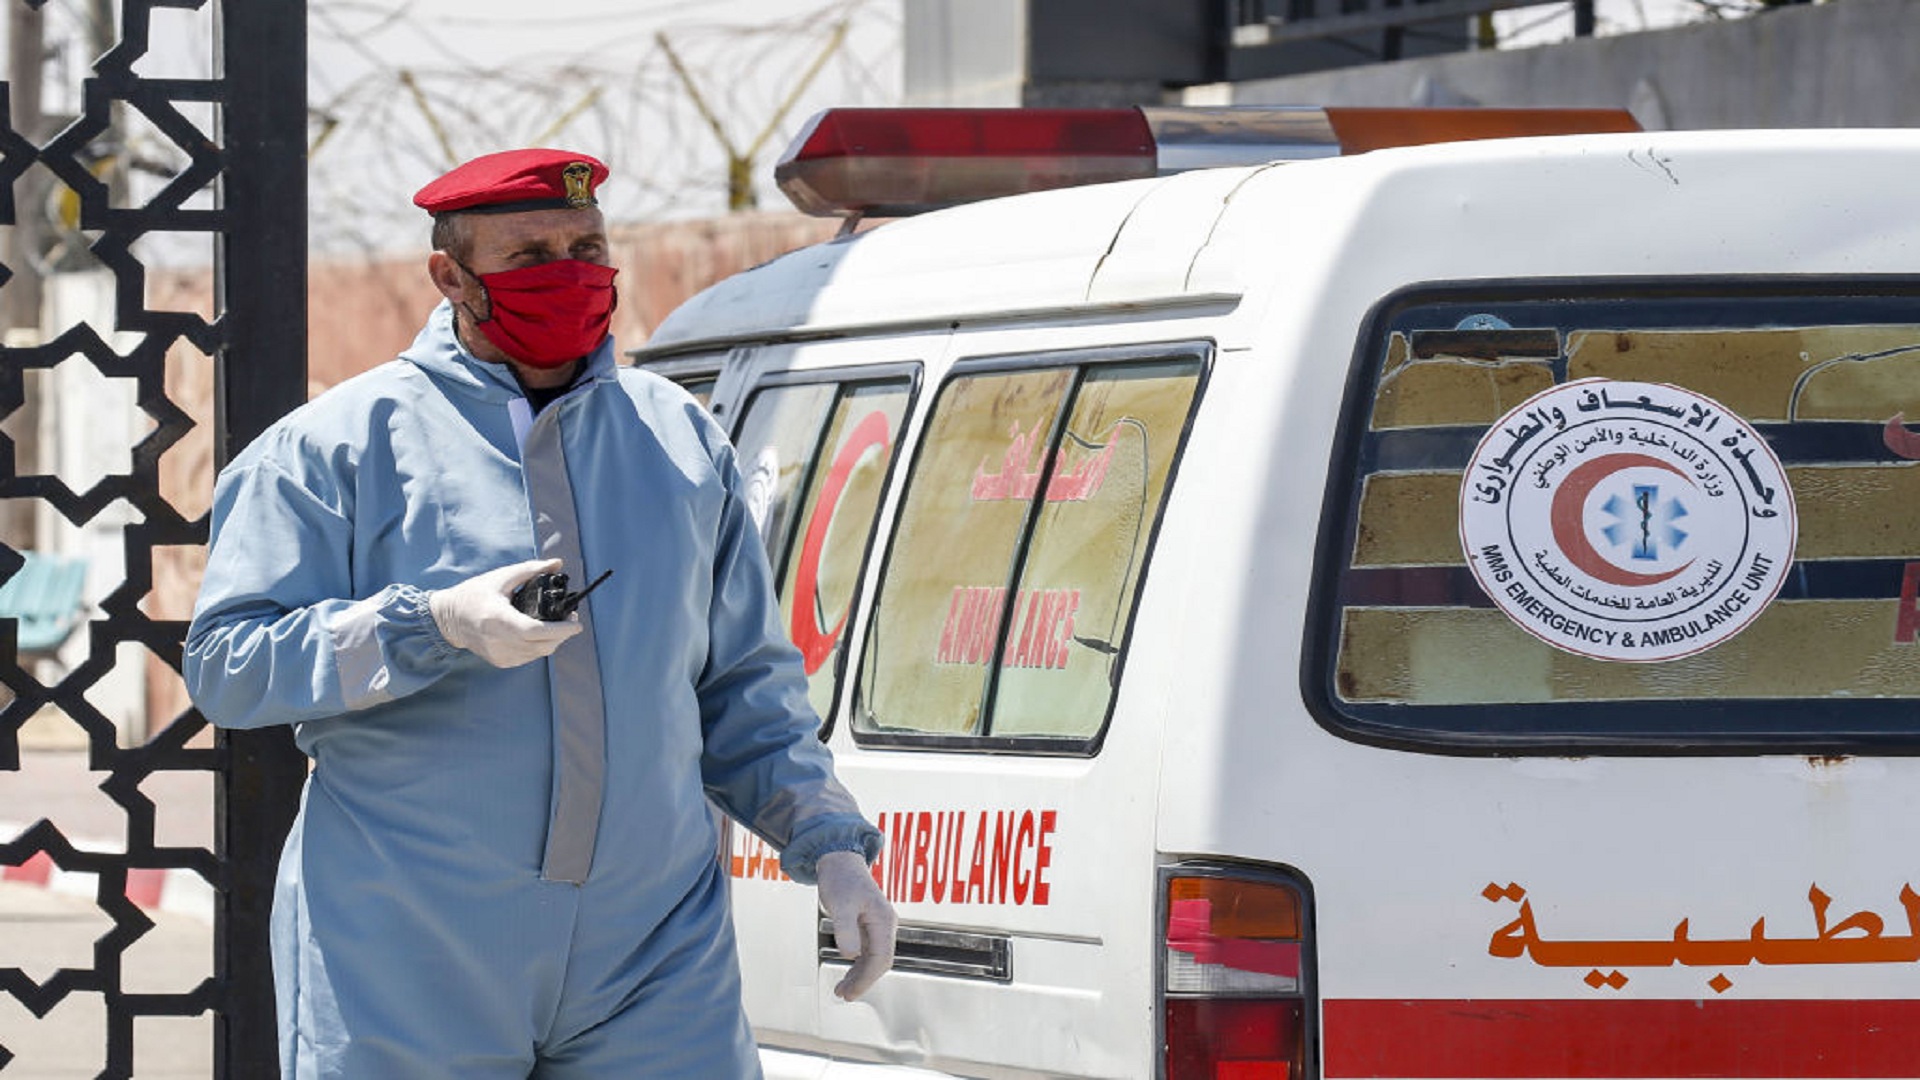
545 596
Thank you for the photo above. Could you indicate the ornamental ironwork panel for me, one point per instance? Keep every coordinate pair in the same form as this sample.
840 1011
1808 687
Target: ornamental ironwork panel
153 287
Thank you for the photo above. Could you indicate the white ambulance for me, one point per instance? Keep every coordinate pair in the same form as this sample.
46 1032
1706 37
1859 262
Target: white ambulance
1444 611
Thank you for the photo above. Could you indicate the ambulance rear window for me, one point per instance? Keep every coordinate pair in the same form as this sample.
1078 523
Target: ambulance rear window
1004 606
1627 519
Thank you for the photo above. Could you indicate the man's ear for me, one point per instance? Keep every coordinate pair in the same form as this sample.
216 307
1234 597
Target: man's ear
447 277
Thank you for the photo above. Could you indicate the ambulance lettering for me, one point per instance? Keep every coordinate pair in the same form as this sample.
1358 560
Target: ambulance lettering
983 857
1019 475
1905 444
987 857
1042 627
1859 938
1907 616
753 857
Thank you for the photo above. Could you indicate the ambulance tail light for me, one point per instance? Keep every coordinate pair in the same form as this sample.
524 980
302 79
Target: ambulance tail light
1235 997
893 162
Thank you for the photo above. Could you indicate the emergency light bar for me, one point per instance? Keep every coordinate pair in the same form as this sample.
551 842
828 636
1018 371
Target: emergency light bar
897 162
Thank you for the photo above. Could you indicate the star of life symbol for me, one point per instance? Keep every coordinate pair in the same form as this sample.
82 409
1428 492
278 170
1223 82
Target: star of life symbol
1627 521
1644 523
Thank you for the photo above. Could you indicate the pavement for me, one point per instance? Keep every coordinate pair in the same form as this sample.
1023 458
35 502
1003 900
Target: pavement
48 921
42 931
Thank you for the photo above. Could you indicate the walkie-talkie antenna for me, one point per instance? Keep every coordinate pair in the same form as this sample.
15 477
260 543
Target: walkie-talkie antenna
573 599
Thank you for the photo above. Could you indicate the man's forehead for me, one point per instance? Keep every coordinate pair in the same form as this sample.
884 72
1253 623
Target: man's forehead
495 229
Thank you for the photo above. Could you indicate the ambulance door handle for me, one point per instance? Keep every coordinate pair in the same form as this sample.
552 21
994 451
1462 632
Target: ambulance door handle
928 950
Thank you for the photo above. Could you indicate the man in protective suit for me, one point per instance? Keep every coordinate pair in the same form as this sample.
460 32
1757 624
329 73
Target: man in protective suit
504 863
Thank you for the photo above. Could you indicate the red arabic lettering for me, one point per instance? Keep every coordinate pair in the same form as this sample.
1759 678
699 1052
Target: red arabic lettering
1907 616
1019 475
1898 439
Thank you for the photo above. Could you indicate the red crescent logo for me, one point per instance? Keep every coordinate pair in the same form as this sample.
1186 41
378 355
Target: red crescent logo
815 642
1569 526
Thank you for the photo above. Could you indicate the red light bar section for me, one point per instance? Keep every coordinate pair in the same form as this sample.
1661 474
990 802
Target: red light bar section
891 162
894 162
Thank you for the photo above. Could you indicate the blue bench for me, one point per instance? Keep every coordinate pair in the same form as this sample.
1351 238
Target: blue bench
44 595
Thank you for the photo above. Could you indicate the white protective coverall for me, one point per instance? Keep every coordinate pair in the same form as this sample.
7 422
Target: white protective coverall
510 872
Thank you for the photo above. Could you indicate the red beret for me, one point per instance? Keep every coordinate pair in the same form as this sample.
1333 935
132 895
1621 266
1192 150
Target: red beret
513 181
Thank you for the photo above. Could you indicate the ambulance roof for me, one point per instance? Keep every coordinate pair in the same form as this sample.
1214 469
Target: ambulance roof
1804 201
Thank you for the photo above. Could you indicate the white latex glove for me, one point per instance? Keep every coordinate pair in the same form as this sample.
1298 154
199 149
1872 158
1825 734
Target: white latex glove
478 615
863 921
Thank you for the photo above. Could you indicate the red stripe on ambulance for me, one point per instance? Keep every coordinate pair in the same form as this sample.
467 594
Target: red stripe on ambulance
1620 1039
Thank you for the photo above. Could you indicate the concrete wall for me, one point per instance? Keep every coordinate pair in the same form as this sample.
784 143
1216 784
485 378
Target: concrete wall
1849 63
970 54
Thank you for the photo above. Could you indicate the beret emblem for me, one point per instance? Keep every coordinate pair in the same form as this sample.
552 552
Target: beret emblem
579 181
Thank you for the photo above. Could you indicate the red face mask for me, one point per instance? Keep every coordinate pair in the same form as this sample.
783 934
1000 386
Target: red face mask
550 314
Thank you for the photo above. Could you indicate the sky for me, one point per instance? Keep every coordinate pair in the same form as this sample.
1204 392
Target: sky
399 91
404 89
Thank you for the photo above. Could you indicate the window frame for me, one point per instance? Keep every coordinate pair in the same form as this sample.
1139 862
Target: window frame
1200 351
841 378
685 370
1674 727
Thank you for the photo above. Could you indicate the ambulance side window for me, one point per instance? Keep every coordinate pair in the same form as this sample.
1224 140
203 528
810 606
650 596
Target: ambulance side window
775 446
816 457
697 374
701 389
1009 588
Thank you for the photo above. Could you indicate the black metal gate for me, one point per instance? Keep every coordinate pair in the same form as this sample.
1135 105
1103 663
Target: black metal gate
233 182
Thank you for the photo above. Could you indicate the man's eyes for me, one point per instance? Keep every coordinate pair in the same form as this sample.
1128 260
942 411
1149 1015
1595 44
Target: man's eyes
534 254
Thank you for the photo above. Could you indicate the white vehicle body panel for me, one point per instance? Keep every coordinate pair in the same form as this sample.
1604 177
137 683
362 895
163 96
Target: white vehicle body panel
1417 857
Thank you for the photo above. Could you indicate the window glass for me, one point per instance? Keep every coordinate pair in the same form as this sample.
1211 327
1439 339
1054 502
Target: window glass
836 521
1076 589
775 447
701 389
940 605
1630 618
1019 549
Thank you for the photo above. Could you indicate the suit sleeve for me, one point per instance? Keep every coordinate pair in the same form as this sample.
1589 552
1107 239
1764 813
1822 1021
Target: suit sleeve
277 635
764 761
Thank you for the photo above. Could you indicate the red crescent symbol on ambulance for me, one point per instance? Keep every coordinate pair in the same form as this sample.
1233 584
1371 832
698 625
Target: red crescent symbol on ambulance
1570 530
815 643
